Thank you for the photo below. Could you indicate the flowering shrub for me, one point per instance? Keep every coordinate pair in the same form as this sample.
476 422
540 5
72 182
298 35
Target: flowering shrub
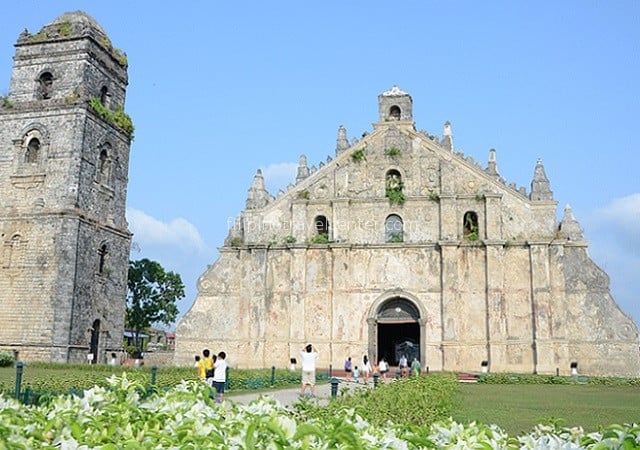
6 359
119 416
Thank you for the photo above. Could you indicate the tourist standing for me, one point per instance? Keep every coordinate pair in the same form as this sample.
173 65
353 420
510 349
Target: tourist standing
220 375
383 368
207 362
356 374
308 359
347 367
365 369
415 367
404 366
199 366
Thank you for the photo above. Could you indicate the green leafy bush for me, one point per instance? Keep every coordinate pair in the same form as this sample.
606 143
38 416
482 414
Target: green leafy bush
118 117
6 359
395 195
322 238
125 415
358 155
393 152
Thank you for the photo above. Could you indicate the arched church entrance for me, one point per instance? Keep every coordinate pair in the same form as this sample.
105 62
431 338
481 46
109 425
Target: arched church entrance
398 333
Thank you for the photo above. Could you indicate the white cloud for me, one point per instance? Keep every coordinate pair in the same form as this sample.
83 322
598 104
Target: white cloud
615 246
620 220
151 232
278 176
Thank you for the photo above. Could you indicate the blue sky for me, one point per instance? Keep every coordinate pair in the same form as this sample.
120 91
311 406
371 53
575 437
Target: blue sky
218 90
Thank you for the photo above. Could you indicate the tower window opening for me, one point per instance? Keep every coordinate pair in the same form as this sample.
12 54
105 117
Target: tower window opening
45 85
102 252
33 151
104 95
394 112
104 166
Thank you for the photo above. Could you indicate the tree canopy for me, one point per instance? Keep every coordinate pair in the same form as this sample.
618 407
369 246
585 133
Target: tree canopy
151 296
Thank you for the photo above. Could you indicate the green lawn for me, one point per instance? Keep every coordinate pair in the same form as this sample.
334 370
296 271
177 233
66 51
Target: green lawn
517 408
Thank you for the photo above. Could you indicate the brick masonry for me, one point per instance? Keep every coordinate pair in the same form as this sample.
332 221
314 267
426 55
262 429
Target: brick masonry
63 177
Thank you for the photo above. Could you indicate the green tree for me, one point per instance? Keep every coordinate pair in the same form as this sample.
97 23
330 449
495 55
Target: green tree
151 296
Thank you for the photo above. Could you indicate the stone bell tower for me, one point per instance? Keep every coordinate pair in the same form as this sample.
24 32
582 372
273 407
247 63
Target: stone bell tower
395 105
64 159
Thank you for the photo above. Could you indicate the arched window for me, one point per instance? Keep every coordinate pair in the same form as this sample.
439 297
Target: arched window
470 226
102 253
322 225
45 85
33 151
104 95
13 251
104 165
394 229
393 187
394 112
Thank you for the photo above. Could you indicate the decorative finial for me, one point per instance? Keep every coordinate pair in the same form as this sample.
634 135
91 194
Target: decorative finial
540 187
492 166
447 136
342 143
303 170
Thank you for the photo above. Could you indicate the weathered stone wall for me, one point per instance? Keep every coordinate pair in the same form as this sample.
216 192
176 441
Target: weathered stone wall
519 292
65 243
327 297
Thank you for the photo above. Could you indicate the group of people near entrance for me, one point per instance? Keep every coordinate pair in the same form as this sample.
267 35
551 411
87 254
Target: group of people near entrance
381 368
212 369
309 356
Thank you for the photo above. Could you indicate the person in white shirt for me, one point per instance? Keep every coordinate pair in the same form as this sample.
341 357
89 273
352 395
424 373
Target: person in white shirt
308 358
365 369
220 375
383 367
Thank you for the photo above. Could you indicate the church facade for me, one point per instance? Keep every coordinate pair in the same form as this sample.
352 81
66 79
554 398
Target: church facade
401 245
64 158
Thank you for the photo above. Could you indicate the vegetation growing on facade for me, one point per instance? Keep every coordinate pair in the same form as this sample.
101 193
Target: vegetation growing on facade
321 238
358 155
289 240
235 242
115 52
5 102
118 117
73 97
433 196
393 189
393 152
304 194
395 237
65 29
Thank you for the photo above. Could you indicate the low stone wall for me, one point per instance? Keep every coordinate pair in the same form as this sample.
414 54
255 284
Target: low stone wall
161 358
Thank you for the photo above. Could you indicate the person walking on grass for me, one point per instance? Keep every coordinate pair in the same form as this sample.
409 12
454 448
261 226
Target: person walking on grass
308 357
415 367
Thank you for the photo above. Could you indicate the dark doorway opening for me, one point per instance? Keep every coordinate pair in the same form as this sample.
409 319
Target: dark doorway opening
396 339
95 336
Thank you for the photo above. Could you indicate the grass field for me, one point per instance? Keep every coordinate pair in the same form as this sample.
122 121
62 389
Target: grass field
515 407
